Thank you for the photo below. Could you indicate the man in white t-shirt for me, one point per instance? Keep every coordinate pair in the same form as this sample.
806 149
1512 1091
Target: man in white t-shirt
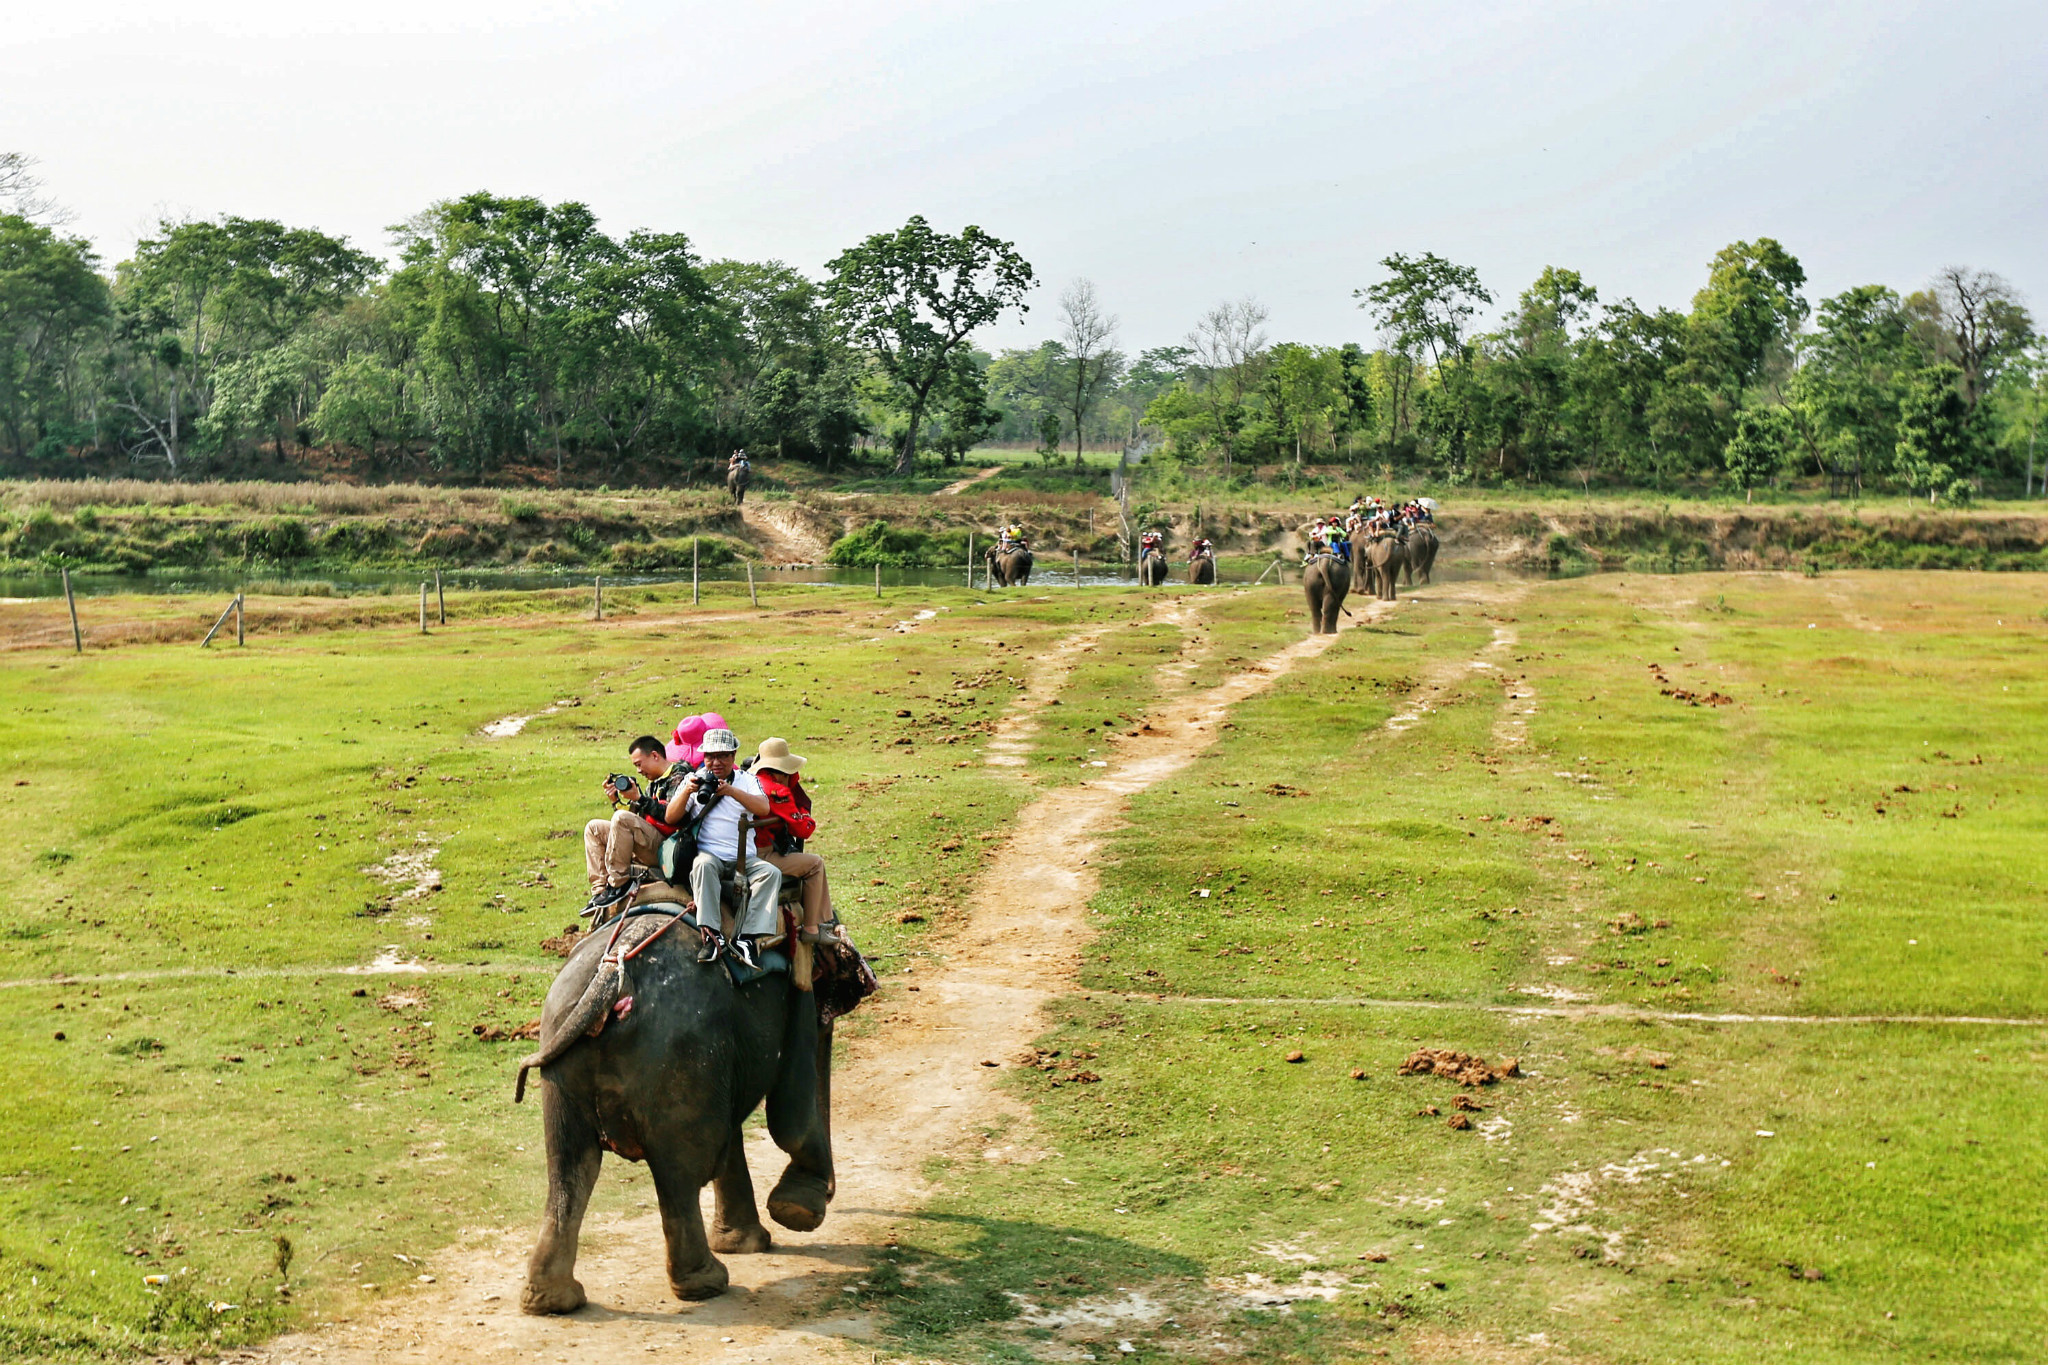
713 799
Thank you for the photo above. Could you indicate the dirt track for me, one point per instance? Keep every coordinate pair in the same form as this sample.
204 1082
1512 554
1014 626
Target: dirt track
914 1089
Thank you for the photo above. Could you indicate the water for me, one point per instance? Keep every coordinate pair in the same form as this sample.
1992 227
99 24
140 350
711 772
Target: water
225 582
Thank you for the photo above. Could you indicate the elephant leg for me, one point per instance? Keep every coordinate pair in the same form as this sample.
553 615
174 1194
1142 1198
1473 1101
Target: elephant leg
736 1224
693 1272
800 1121
574 1159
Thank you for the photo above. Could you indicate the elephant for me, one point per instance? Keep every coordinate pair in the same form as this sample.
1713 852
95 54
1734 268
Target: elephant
1383 556
736 480
1422 548
1152 569
1326 579
683 1056
1202 569
1009 568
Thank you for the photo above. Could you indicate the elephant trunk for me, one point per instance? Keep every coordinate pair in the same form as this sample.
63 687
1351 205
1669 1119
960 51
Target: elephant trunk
585 1017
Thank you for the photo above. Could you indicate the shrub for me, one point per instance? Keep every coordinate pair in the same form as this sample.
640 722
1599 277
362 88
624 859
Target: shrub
635 556
454 542
878 543
553 552
516 510
275 538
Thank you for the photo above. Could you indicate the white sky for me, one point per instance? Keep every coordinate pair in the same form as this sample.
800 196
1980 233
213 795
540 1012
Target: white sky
1177 154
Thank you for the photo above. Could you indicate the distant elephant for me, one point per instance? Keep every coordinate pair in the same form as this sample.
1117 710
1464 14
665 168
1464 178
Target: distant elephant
684 1056
1202 569
1009 568
1422 548
1382 558
1152 569
736 480
1327 580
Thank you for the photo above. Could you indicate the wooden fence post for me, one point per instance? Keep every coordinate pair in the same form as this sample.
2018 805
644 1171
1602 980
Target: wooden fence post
597 596
878 580
423 606
752 596
1077 568
220 621
241 639
693 571
970 561
441 597
77 639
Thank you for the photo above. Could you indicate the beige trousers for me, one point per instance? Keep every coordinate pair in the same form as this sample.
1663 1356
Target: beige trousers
808 868
611 847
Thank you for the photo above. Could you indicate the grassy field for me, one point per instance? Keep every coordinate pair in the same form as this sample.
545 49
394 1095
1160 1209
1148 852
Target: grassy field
1853 832
1552 855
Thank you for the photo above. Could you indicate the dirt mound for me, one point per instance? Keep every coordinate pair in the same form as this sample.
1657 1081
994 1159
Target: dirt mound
1462 1067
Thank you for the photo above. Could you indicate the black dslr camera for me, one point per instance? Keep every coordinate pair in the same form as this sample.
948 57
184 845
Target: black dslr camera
626 785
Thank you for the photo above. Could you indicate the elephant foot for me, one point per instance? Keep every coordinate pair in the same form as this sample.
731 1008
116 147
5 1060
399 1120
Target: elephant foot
706 1282
554 1296
740 1241
798 1201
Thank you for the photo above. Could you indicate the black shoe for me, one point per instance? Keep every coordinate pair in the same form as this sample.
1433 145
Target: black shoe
712 946
743 949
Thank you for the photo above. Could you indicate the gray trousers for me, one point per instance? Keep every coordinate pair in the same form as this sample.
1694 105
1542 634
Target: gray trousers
764 884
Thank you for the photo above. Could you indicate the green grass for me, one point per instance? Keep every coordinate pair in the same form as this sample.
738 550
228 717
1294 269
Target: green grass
180 813
1446 867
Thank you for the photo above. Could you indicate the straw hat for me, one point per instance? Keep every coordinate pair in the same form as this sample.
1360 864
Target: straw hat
776 757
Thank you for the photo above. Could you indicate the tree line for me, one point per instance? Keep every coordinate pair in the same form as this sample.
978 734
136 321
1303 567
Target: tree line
511 335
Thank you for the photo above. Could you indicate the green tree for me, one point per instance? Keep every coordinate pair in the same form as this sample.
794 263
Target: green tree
1306 392
1426 302
1757 450
1092 363
53 308
1935 442
1974 320
913 297
1749 310
1844 396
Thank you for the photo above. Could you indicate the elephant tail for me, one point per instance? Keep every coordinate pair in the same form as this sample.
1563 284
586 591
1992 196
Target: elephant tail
586 1017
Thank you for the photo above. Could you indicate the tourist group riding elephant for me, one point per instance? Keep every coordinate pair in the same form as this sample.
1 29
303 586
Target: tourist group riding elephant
1382 558
682 1058
736 480
1202 569
1326 579
1009 568
1422 547
1152 569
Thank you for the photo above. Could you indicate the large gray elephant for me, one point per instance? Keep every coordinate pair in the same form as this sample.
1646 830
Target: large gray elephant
1382 558
736 480
1422 548
1009 568
682 1058
1202 569
1327 580
1152 569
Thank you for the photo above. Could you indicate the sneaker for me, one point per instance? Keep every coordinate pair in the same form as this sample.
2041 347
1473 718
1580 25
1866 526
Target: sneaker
712 946
743 948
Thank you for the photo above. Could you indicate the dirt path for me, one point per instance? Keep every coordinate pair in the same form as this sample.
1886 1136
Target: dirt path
914 1089
785 533
960 486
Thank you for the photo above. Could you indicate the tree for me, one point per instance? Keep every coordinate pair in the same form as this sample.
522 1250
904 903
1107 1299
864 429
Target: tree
914 296
1757 450
1749 310
1228 344
1425 302
1974 320
21 191
1086 332
2021 401
1844 396
1934 444
53 307
1306 391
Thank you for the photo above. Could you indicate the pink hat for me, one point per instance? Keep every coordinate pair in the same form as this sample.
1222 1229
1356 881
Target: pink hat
686 743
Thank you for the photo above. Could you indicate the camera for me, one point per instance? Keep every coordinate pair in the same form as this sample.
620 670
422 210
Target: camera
625 784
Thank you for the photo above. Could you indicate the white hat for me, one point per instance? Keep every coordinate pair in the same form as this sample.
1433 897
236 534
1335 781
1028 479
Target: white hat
719 742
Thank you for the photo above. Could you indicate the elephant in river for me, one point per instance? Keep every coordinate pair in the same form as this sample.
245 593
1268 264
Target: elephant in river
1202 569
1152 569
1382 558
1326 579
1009 568
682 1058
1422 548
736 480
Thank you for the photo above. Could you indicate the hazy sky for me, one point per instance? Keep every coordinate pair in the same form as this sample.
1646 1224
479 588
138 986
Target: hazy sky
1177 154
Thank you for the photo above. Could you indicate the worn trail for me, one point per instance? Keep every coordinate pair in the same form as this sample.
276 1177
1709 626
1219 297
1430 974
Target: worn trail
914 1089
